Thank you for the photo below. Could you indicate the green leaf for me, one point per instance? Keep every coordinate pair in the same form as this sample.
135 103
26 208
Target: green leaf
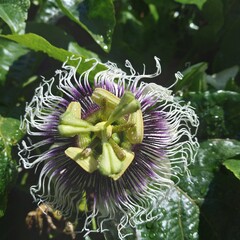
9 52
218 113
96 17
220 80
220 213
59 38
76 49
199 3
52 33
211 155
234 166
179 217
194 78
181 209
14 13
9 136
38 43
48 12
219 190
207 185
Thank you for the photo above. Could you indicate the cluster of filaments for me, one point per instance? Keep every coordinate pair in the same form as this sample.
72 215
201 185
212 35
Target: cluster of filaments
104 138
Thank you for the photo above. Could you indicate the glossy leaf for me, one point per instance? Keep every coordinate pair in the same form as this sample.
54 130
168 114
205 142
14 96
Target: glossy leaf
52 33
211 155
234 166
38 43
59 38
194 78
9 136
48 12
220 211
220 80
180 211
218 113
199 3
178 219
14 13
179 216
76 49
96 17
9 52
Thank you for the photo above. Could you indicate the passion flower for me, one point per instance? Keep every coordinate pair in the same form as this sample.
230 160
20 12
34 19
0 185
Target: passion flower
114 143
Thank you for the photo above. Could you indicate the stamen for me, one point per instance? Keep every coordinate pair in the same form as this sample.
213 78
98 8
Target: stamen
136 132
89 164
104 98
71 123
71 131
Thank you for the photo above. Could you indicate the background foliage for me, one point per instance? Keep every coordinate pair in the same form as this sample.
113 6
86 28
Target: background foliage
197 37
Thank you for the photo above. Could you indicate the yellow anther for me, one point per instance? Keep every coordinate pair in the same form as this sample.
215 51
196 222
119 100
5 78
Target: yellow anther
89 164
71 123
75 109
71 131
136 132
104 98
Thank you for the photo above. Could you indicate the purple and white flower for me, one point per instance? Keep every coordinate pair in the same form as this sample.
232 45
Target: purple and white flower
114 143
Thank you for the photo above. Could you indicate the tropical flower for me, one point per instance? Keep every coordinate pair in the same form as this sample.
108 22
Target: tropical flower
111 145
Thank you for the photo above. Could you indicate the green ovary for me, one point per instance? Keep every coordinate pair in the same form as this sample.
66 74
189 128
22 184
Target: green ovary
106 136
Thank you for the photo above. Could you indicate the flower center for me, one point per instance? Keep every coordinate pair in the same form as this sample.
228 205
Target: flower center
105 138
